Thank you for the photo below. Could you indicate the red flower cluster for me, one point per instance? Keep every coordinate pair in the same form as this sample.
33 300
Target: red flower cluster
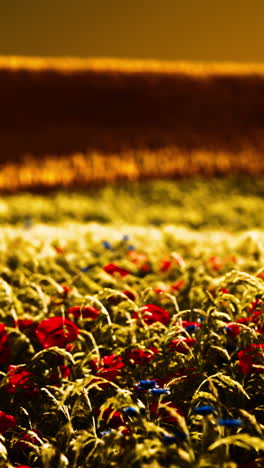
168 262
58 249
130 294
64 373
152 313
20 380
140 357
255 304
23 466
182 345
114 419
233 329
187 324
178 285
140 259
173 287
4 349
6 422
26 325
184 373
249 358
256 317
66 290
83 312
112 269
26 437
108 367
163 413
217 263
56 331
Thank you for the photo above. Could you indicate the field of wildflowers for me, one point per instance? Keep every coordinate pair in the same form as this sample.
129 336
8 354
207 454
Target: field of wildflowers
134 339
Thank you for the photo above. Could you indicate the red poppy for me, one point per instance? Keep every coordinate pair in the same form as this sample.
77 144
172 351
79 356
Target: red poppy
215 263
6 422
23 324
113 361
174 260
108 367
113 418
184 373
231 259
187 324
163 413
112 269
23 466
248 358
255 304
58 249
26 324
4 349
165 264
260 275
178 285
56 331
84 312
244 320
152 313
20 380
233 329
66 290
137 257
182 345
64 373
138 356
130 294
256 318
162 290
140 259
26 437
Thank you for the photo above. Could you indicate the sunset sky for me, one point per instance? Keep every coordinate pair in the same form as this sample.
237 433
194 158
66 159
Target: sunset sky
202 30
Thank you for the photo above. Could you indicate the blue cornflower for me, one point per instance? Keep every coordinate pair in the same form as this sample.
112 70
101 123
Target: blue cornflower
146 384
125 238
177 435
229 422
85 269
131 247
191 328
131 411
104 433
204 410
200 319
180 435
106 244
169 439
160 391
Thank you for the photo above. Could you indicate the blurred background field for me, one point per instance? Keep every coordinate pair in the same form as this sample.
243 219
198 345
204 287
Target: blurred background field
233 203
71 123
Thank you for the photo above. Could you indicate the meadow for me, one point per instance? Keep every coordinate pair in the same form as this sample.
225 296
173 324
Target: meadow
131 328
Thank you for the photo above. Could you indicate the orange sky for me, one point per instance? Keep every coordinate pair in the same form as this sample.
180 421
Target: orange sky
168 29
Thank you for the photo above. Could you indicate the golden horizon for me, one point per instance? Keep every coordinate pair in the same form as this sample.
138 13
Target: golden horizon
68 64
